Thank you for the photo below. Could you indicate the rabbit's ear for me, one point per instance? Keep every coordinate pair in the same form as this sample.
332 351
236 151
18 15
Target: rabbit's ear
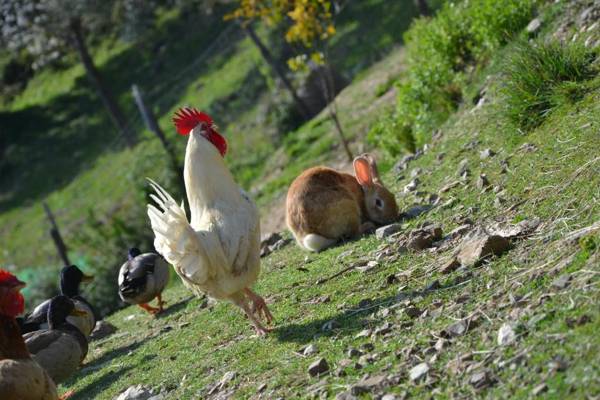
373 166
363 171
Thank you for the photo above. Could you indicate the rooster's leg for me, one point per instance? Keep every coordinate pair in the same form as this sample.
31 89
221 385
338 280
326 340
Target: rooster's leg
260 329
149 308
259 306
161 303
66 395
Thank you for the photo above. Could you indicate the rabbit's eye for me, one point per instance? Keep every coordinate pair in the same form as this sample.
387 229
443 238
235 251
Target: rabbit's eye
379 203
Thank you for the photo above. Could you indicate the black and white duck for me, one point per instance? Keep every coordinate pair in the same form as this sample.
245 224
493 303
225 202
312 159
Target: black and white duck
62 347
142 278
71 278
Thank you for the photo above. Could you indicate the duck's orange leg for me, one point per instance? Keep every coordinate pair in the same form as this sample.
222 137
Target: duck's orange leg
161 303
66 395
149 308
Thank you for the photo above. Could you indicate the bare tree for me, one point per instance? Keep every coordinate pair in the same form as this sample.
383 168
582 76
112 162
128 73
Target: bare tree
423 7
46 28
266 54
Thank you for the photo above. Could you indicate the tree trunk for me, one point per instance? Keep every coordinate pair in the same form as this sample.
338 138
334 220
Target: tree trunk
116 115
266 54
327 85
423 7
152 125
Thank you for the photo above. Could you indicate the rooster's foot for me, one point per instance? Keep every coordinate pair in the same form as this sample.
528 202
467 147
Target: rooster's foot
259 306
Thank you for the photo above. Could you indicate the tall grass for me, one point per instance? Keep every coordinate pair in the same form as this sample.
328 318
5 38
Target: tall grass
543 76
441 55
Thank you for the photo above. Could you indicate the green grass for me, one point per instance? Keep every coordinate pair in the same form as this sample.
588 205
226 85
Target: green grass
191 346
542 76
189 349
442 56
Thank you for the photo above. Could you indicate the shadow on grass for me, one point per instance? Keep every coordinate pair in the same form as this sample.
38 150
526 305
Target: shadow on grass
175 307
350 321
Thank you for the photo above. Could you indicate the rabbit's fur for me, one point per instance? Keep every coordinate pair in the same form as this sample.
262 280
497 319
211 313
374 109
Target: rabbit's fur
324 205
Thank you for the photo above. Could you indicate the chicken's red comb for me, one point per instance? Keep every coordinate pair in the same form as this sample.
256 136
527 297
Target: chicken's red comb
8 279
187 119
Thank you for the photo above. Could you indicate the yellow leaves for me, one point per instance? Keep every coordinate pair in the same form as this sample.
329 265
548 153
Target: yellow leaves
300 62
311 20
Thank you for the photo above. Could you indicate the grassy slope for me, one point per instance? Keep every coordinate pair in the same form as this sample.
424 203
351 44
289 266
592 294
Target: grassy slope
59 111
189 349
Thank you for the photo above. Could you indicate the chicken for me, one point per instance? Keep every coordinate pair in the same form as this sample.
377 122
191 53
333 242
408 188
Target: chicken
21 378
217 252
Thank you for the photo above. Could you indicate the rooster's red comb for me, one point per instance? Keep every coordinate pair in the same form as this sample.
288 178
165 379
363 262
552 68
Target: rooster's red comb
8 279
187 119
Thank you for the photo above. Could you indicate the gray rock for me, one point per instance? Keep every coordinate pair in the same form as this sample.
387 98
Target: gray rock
534 25
440 344
458 328
137 392
383 329
416 172
561 282
528 147
542 387
415 211
310 350
227 378
387 230
449 186
354 353
459 231
367 385
103 329
347 395
403 163
413 312
318 367
330 325
479 379
506 335
434 285
450 266
463 168
511 231
412 186
418 371
486 153
482 181
475 249
261 388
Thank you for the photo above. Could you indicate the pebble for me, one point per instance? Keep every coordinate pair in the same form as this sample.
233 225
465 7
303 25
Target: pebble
506 335
318 367
419 371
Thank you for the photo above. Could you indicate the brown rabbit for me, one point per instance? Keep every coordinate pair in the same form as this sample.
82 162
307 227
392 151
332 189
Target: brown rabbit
324 205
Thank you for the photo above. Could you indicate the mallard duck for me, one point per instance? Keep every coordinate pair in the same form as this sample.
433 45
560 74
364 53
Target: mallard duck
62 347
142 278
70 279
21 378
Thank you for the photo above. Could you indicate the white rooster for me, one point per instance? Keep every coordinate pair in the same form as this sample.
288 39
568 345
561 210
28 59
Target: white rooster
217 252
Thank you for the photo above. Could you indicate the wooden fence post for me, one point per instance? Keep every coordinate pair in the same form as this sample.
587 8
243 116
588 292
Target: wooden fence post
60 245
152 125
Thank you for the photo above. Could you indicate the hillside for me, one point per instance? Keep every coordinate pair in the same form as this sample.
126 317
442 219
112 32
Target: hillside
391 313
223 75
488 284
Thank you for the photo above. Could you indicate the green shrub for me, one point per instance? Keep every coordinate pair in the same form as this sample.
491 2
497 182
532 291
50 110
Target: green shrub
441 55
543 76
